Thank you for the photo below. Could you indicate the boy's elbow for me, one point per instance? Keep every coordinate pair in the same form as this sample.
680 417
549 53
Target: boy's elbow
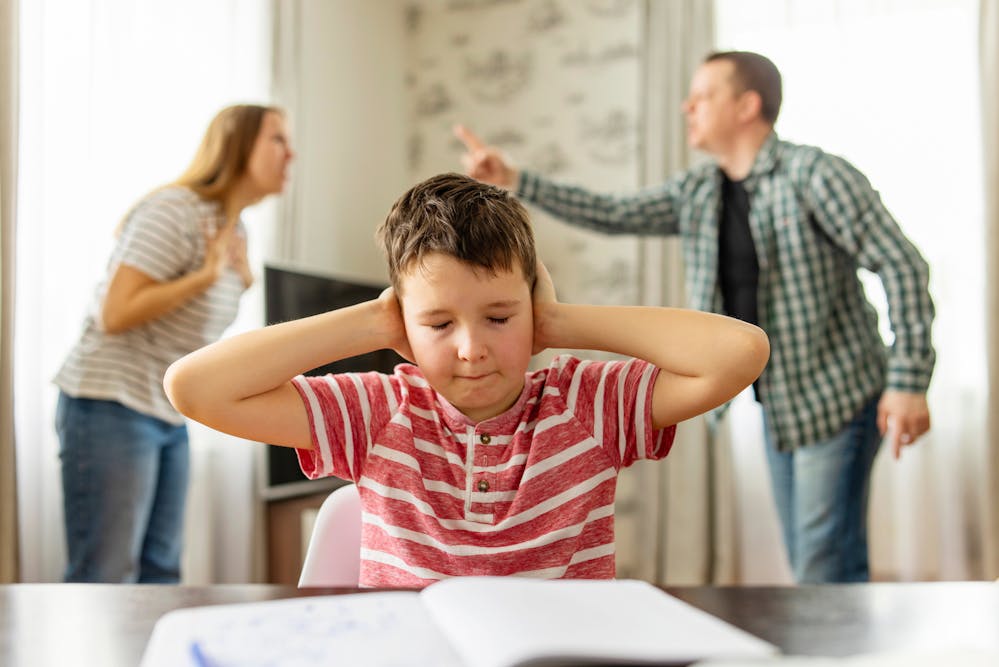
755 352
181 388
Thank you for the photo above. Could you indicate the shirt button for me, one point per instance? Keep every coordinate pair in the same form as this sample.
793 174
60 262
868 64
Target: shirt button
483 485
484 438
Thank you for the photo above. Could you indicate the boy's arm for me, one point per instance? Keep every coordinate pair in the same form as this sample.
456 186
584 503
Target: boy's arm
703 359
242 385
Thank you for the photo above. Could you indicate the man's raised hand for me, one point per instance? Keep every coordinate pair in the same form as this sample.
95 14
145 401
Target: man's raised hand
485 163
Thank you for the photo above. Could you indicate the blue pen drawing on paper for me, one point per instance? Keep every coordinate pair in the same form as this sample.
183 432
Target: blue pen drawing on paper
378 629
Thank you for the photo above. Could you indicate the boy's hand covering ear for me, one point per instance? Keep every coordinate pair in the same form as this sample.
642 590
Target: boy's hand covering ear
395 326
543 296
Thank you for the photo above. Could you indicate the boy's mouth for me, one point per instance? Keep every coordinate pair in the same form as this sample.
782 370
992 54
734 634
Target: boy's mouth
473 377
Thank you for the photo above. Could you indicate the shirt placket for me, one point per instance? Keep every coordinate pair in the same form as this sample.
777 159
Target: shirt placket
480 477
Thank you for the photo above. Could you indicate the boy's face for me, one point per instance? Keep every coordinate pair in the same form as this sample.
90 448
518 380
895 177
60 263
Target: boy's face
471 332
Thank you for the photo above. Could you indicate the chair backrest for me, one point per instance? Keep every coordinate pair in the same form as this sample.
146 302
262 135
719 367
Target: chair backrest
334 555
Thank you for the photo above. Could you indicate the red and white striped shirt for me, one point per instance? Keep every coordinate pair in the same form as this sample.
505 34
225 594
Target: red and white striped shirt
529 492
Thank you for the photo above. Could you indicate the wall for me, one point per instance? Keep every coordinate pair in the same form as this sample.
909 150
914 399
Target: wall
556 85
374 87
339 68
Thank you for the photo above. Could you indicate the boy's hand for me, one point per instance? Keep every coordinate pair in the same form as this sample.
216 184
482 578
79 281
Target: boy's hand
543 298
485 163
395 326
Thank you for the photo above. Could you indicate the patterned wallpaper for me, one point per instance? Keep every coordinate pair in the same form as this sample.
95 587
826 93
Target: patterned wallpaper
554 83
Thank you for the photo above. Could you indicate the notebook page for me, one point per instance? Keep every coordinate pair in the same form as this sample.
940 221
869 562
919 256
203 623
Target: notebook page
506 621
962 656
389 629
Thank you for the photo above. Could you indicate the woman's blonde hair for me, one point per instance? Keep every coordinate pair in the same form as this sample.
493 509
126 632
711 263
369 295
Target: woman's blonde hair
224 151
222 156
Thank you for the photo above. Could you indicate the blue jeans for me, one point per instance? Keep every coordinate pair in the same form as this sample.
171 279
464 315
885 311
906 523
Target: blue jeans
124 482
821 491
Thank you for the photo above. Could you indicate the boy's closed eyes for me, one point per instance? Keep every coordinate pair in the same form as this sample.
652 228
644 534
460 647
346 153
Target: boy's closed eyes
492 320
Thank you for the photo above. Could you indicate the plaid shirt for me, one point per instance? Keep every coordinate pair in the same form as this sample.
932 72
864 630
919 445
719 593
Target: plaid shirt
814 219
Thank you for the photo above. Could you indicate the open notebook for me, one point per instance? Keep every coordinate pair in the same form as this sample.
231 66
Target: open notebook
461 622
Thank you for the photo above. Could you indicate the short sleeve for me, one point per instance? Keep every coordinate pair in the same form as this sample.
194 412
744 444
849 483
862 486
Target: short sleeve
161 237
345 412
613 401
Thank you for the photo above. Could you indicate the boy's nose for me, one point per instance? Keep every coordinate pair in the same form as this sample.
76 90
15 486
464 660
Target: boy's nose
471 347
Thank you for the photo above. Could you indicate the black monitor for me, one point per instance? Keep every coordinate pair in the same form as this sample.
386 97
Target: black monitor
290 294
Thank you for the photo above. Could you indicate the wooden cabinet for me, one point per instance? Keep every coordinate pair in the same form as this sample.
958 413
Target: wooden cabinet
288 531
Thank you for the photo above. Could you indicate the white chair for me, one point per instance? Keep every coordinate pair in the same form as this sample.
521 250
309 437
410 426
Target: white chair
333 558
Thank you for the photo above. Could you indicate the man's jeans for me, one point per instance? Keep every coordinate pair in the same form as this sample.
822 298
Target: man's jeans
124 480
821 491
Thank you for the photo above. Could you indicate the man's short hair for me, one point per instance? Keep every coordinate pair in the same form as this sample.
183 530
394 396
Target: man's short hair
480 224
757 73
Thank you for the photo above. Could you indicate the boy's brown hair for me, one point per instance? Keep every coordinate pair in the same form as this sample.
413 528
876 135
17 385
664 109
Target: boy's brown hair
480 224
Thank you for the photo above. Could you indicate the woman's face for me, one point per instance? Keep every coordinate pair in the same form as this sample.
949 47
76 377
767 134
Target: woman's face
267 168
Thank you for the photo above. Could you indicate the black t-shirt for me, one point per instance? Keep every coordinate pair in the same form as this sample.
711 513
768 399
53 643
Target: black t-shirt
738 269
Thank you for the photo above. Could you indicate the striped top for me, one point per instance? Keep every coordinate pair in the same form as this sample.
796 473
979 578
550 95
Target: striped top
529 492
164 237
815 220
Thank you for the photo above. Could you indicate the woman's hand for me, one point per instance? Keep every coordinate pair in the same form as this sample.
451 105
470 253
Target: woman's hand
238 259
217 252
395 326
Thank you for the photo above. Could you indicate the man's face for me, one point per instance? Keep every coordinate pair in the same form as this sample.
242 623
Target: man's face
471 332
712 107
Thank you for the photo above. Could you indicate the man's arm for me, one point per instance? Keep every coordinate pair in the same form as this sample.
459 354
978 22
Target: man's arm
652 211
242 385
703 359
851 212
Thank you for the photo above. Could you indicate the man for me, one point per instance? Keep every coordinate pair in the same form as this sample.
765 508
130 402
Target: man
773 233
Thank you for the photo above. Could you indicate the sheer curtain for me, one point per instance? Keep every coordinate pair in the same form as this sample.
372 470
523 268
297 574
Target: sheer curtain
8 180
115 97
893 87
989 79
683 508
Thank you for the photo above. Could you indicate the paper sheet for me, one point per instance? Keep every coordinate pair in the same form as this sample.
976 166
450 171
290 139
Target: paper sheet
388 629
626 621
958 657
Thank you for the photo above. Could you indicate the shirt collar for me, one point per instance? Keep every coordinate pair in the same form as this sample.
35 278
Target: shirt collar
766 157
504 422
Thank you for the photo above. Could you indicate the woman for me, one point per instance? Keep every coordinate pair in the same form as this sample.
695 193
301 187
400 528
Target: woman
173 285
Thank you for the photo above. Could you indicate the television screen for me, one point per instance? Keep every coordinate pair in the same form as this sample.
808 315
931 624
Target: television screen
290 294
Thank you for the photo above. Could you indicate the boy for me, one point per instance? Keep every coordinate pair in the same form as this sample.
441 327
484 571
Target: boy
465 462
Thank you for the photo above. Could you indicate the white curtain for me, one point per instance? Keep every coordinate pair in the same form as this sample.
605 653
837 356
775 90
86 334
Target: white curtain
893 87
115 97
989 80
8 180
684 502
